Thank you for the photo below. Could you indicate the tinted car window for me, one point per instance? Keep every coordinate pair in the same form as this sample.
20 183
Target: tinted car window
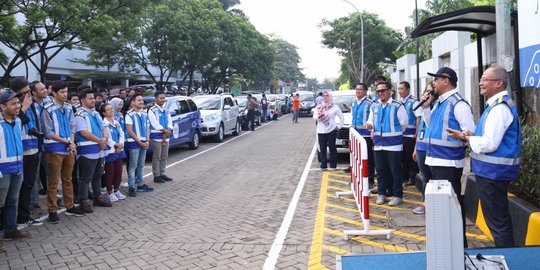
228 101
208 103
307 97
184 107
340 100
192 105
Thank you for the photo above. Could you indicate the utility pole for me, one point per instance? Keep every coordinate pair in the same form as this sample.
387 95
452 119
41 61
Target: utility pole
504 38
417 50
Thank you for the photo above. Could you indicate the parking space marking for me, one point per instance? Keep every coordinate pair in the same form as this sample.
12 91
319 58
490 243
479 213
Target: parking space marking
351 200
364 240
336 250
354 210
315 252
273 254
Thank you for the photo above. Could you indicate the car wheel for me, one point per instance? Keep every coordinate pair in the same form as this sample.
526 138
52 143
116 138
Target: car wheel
237 129
194 144
220 135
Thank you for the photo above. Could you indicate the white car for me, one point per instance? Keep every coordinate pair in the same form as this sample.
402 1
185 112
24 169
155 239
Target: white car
219 115
342 138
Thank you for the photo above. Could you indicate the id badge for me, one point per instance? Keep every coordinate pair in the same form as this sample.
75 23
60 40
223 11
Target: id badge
422 134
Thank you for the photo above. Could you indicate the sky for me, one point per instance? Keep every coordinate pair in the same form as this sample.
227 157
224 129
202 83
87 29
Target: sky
296 21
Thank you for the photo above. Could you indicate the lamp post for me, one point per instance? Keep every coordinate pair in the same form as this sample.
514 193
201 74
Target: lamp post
361 60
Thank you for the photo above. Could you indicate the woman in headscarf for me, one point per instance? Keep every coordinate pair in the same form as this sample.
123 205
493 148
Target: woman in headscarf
325 114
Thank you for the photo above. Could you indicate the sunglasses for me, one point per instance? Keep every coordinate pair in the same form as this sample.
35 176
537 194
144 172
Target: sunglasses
381 91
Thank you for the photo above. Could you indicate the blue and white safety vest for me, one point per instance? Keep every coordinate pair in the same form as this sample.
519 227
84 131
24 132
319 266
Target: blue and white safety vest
93 125
411 125
11 147
360 114
115 130
140 125
30 143
440 145
421 141
61 126
503 163
163 119
386 127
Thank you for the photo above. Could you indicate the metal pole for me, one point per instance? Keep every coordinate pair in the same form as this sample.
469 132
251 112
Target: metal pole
361 60
502 20
417 51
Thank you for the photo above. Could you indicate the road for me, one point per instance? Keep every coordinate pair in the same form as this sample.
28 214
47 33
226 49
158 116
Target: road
256 200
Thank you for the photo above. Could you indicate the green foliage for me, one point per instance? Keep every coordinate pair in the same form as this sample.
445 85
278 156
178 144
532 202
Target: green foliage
344 34
286 61
527 186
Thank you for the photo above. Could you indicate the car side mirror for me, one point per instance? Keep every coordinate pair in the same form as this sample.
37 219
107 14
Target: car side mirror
227 107
175 112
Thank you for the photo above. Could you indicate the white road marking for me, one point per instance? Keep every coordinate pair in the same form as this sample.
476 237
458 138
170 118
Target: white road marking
273 254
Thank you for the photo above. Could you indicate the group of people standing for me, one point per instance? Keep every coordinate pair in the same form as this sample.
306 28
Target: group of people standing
431 136
78 144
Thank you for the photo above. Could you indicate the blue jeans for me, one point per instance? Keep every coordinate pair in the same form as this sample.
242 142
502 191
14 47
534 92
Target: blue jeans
10 185
389 170
136 166
424 169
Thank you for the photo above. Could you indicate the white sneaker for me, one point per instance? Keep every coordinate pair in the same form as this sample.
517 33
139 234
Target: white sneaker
331 169
119 195
380 199
112 197
124 184
395 201
420 210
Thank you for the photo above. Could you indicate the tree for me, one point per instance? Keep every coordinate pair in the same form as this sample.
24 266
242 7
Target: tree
286 61
379 42
228 5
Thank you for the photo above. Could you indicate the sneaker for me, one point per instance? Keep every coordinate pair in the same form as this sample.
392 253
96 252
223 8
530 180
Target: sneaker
159 180
410 182
16 234
53 218
112 197
31 222
131 192
323 169
420 210
144 188
395 201
331 169
166 178
380 199
125 184
86 206
119 195
100 201
75 211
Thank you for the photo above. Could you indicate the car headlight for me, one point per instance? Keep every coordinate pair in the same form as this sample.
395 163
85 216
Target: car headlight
211 117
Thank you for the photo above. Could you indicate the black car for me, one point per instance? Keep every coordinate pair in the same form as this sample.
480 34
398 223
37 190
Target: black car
307 102
242 101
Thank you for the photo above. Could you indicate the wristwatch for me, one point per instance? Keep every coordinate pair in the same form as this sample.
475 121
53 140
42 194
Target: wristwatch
463 137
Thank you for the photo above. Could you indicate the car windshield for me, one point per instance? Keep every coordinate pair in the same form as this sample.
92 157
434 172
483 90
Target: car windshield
307 97
272 98
340 100
207 103
241 101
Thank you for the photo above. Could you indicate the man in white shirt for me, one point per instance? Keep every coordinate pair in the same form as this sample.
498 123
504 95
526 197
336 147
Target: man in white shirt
445 155
160 133
387 121
495 153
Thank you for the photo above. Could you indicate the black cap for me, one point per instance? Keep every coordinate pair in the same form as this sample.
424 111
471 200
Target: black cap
7 96
445 72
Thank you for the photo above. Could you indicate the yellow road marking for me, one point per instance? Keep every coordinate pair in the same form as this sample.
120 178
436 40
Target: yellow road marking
354 210
339 189
360 224
339 181
315 253
369 242
337 250
478 236
412 192
371 204
342 175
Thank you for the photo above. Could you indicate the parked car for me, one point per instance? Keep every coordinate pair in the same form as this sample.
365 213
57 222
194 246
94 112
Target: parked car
342 138
307 102
219 115
242 117
282 104
186 119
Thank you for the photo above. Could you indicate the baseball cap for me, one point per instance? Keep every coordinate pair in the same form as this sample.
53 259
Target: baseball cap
445 72
7 96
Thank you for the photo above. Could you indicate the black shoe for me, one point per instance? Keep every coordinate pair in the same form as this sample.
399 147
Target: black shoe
410 183
144 188
75 211
166 178
131 192
42 191
159 179
30 221
53 218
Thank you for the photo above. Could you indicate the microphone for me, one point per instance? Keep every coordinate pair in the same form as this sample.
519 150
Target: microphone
423 101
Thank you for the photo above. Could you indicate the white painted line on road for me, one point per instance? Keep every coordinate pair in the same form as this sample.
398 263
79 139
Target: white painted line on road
273 254
209 149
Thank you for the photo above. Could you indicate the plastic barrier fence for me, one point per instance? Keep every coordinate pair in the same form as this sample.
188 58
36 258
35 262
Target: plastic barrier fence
360 185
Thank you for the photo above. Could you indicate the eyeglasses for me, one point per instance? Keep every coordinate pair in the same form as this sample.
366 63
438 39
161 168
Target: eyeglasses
488 80
380 91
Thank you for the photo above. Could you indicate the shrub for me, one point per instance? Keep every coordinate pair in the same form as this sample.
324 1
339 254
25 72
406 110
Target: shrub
527 186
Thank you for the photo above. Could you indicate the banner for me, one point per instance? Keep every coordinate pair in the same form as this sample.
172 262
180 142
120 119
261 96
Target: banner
529 42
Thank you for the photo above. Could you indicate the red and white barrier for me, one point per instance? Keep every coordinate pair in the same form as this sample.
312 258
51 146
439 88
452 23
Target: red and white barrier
360 184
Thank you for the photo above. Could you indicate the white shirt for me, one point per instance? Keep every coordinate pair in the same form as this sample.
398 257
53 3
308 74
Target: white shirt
403 119
495 125
332 113
464 116
154 121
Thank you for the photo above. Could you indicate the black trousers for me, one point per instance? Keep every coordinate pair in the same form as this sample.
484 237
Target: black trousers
30 173
410 168
494 199
251 119
453 175
327 140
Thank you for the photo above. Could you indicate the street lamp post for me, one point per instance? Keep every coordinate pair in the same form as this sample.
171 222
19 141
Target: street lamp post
361 60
